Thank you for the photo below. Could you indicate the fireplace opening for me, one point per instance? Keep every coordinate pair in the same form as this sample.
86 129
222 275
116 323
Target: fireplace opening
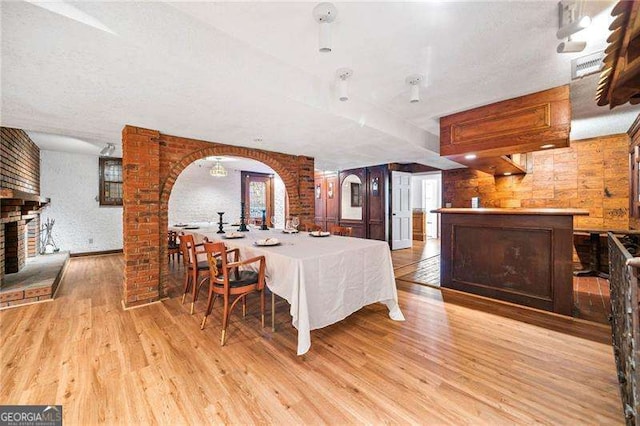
14 247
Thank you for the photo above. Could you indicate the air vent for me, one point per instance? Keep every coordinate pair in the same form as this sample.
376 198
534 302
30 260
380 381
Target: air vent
586 65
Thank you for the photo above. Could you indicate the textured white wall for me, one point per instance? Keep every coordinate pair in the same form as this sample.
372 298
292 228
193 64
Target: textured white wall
197 196
71 181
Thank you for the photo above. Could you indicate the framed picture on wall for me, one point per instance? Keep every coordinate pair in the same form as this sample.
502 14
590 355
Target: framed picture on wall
356 195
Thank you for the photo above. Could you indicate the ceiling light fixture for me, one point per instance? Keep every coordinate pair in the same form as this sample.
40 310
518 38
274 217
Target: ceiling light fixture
108 150
569 25
343 75
325 14
470 157
414 81
218 170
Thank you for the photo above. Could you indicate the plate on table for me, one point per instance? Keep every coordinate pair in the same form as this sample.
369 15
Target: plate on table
267 242
290 231
233 235
319 234
191 227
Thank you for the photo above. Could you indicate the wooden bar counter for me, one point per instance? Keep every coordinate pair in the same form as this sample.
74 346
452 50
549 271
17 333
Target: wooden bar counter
518 255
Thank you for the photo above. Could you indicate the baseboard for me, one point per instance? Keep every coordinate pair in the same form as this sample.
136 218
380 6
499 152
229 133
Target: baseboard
95 253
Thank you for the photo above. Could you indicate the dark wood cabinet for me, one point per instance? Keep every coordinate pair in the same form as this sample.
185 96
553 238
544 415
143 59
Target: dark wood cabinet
327 200
634 174
374 206
377 204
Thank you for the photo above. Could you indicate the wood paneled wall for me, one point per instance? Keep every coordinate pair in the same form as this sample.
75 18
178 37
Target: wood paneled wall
592 174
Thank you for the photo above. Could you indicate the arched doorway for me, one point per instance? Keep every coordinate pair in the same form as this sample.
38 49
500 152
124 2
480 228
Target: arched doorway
152 161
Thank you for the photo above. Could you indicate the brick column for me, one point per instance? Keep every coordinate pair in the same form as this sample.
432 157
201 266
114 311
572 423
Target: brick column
141 208
306 190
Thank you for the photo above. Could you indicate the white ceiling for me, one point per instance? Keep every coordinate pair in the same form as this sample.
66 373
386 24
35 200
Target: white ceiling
233 72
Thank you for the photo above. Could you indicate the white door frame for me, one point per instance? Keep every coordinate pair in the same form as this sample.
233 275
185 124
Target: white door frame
401 212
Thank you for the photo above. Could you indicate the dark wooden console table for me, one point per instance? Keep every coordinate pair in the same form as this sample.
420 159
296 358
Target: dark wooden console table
518 255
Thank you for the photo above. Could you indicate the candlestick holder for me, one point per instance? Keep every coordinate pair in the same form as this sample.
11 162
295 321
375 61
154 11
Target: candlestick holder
264 226
243 226
220 230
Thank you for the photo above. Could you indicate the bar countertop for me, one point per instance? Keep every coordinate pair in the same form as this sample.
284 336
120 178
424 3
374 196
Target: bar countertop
514 211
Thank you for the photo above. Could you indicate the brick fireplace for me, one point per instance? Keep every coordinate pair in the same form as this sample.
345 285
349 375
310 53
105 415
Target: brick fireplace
20 200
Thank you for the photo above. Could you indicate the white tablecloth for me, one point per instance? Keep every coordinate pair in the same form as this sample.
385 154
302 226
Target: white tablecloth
324 279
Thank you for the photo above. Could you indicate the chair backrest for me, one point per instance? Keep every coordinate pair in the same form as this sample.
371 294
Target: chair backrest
310 227
344 231
212 249
172 237
188 247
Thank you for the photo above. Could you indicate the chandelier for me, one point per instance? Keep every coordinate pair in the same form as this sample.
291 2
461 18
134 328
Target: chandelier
218 170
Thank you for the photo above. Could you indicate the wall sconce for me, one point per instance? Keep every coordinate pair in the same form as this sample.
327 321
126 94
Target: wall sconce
330 190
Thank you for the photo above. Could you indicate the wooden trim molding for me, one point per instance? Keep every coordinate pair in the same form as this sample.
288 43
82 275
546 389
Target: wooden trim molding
95 253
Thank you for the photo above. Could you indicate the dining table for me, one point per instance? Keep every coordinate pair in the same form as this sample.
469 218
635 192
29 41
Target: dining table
323 278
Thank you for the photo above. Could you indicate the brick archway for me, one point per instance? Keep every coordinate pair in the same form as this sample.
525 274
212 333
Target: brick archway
152 162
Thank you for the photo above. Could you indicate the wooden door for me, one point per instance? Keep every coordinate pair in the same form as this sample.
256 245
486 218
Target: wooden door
377 203
401 223
257 195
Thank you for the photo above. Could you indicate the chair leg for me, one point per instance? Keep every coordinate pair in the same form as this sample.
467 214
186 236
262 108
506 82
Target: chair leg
187 279
244 306
225 319
210 303
262 306
195 288
273 311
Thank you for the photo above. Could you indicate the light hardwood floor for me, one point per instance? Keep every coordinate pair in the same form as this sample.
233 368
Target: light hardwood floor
453 361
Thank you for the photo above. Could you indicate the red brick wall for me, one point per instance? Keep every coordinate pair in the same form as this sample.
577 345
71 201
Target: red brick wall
151 163
20 161
19 170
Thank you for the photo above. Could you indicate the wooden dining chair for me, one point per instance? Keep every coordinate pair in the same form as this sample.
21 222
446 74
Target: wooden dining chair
344 231
310 227
227 280
173 247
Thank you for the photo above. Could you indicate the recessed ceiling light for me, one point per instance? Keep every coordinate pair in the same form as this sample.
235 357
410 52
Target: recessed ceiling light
470 157
507 173
258 140
547 146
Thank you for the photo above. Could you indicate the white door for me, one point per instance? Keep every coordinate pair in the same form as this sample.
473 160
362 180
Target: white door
401 219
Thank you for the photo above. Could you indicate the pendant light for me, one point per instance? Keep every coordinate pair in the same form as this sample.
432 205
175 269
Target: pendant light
218 170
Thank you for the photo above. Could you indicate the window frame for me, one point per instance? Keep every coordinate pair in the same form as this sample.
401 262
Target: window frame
101 167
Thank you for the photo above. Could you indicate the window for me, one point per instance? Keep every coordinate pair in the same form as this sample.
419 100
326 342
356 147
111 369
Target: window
110 181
